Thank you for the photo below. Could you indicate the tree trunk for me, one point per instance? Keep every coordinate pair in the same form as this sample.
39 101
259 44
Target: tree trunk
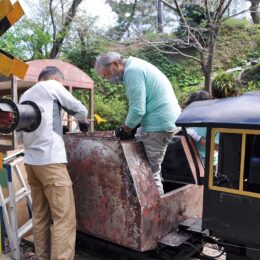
160 15
61 35
255 13
208 81
210 57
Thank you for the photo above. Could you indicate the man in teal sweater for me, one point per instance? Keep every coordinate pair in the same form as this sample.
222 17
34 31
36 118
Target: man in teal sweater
152 103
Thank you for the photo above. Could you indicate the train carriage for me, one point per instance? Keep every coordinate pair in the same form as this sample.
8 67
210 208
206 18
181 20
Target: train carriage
231 205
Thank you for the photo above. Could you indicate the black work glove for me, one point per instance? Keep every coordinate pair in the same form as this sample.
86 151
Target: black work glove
83 127
119 132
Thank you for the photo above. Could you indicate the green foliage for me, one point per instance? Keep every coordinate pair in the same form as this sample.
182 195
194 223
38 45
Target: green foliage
251 74
109 102
224 85
84 56
239 41
113 110
184 93
106 89
237 23
194 14
181 74
27 40
251 87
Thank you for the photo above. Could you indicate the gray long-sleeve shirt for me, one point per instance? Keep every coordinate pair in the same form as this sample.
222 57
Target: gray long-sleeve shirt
45 145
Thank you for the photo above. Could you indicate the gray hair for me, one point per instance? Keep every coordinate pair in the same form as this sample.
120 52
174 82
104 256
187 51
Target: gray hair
106 59
50 71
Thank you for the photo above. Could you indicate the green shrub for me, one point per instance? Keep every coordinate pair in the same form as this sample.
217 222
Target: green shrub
114 111
251 74
184 93
224 85
251 87
106 89
182 72
238 23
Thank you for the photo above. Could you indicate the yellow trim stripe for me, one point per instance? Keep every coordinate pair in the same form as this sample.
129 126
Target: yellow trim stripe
242 162
239 191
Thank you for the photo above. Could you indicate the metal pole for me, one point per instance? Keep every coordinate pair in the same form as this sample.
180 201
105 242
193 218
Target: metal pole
14 94
70 117
91 109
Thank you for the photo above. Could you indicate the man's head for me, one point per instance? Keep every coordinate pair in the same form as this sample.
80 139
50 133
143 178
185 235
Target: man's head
198 96
110 66
49 73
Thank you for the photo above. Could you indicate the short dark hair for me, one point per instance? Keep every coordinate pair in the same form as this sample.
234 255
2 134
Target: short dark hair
49 71
198 96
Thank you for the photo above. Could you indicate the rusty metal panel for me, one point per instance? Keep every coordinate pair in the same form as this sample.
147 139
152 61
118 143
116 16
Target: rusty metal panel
106 200
116 196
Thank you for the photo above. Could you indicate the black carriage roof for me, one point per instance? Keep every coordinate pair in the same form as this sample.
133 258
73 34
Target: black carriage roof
236 112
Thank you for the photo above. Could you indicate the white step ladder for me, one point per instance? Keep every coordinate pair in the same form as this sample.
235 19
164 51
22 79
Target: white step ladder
14 233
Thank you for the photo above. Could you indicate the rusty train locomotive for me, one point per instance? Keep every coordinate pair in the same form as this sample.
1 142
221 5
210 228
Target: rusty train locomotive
117 201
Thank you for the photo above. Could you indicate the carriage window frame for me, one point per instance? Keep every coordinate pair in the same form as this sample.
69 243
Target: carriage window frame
240 190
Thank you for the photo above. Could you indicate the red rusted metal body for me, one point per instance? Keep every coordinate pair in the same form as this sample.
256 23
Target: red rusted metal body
116 196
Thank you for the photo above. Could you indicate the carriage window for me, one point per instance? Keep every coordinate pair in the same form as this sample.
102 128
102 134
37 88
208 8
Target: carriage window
252 164
229 157
238 168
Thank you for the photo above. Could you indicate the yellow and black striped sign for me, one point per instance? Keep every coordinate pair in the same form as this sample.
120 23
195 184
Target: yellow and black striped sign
11 65
9 15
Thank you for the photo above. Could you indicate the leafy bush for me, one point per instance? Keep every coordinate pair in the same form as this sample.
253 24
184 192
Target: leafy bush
114 111
182 73
224 85
251 74
110 103
106 89
251 87
239 23
184 93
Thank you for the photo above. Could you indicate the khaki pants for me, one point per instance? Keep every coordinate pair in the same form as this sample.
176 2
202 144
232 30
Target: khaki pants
53 211
155 144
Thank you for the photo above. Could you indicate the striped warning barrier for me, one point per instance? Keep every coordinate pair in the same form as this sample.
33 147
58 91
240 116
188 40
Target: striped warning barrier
9 15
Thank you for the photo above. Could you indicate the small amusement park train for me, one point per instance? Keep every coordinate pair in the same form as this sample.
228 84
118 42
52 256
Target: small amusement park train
120 212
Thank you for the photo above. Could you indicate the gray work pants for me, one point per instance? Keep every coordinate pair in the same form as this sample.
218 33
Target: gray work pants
155 144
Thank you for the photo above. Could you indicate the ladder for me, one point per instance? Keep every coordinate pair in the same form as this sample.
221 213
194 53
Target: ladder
13 232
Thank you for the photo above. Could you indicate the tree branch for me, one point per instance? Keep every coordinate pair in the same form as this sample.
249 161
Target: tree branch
175 49
62 12
52 20
225 9
207 11
64 30
234 15
169 5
